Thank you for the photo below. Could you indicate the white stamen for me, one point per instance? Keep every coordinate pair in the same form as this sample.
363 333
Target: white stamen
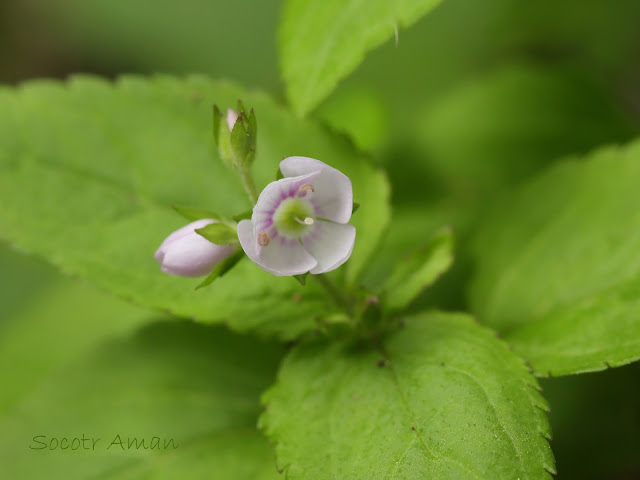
306 221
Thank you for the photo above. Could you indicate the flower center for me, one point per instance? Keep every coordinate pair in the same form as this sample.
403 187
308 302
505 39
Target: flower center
294 217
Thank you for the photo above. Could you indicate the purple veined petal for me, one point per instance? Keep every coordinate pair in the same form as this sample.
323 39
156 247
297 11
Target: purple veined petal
276 192
330 244
333 196
193 256
232 116
280 259
178 234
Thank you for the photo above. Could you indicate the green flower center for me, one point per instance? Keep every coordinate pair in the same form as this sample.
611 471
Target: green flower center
294 217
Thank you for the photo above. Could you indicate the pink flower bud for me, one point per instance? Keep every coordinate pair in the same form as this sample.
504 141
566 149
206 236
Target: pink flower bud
232 116
187 254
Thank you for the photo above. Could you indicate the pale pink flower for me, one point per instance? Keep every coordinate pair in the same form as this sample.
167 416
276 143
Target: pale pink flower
299 223
188 254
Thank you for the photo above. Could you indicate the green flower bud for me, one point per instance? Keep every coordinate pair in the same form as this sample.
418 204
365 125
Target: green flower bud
235 135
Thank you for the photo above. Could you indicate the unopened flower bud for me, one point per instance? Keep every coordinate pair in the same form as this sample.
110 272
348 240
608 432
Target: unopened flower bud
235 135
188 254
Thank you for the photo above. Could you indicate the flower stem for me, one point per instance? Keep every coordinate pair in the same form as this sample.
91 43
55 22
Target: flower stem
249 184
334 292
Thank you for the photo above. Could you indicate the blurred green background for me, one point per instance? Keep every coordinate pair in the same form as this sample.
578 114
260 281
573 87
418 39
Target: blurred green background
475 97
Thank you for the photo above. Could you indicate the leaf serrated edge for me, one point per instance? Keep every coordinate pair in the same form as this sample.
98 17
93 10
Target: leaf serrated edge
539 404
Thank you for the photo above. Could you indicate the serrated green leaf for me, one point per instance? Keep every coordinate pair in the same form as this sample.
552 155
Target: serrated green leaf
322 41
594 333
195 385
442 398
558 263
192 213
219 233
89 170
416 271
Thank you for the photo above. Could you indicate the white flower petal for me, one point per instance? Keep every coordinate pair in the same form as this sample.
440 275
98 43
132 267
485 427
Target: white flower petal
193 256
273 194
330 244
280 259
333 194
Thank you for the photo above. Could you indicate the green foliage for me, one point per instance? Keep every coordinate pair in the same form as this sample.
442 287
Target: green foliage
90 169
359 113
598 331
558 263
53 326
23 278
321 41
193 213
442 398
192 384
419 269
220 38
464 110
500 128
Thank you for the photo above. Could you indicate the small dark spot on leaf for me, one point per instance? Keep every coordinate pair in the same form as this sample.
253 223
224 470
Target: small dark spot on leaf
381 363
373 300
296 297
413 428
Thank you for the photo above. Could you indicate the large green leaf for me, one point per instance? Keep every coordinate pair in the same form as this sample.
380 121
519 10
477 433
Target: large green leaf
322 41
53 327
558 264
193 384
596 332
90 170
442 398
22 277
